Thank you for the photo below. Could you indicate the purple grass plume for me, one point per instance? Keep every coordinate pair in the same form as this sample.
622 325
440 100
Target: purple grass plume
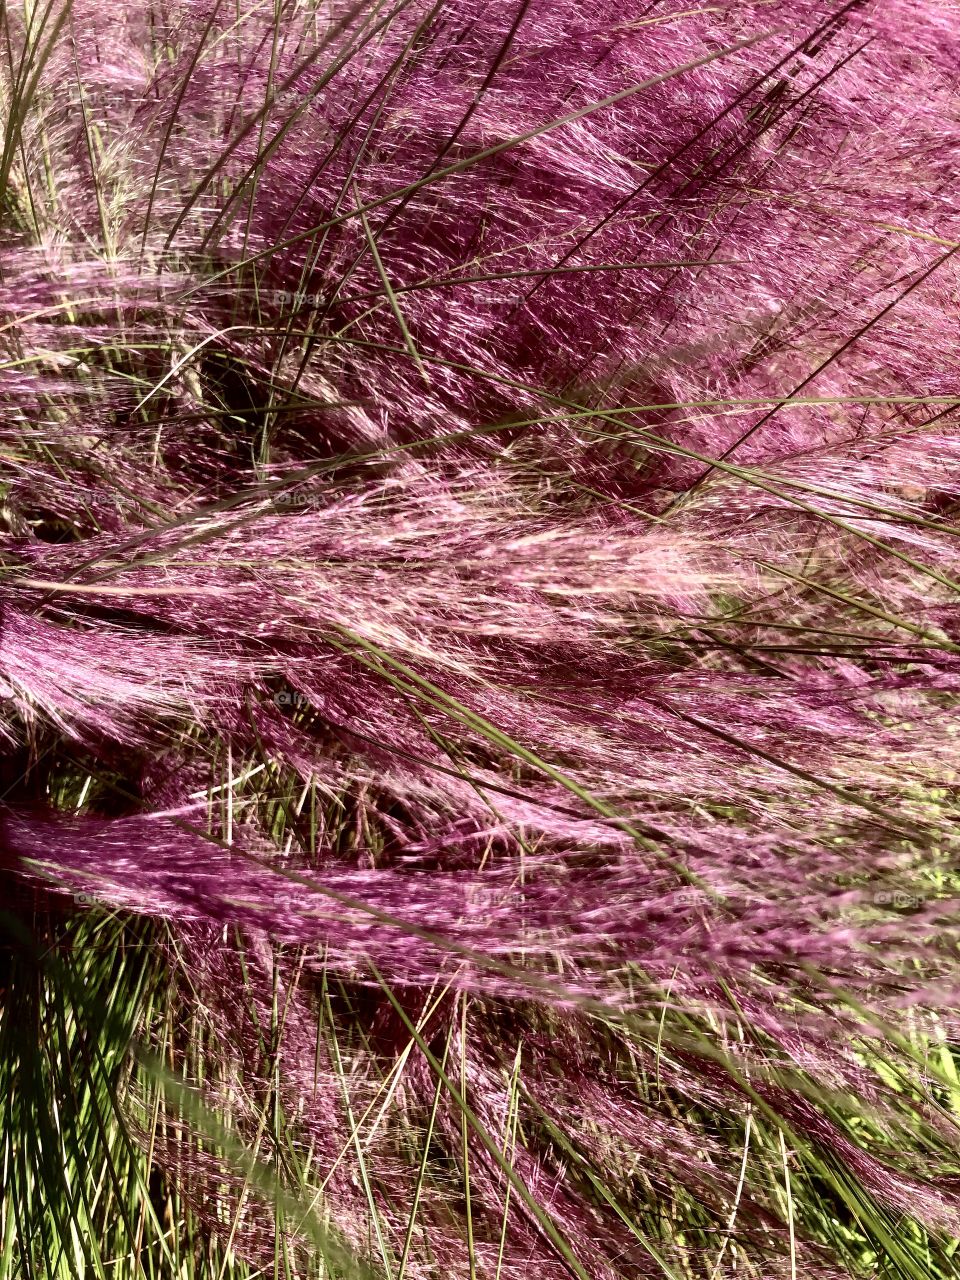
482 481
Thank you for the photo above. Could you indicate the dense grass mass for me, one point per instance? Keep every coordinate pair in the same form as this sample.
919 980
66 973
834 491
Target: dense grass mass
479 640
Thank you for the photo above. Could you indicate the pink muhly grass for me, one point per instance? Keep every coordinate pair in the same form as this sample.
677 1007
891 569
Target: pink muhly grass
480 484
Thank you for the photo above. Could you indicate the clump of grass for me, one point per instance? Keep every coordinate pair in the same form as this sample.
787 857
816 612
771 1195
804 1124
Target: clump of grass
478 642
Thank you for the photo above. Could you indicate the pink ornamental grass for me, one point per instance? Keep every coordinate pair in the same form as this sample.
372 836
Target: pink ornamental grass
479 486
